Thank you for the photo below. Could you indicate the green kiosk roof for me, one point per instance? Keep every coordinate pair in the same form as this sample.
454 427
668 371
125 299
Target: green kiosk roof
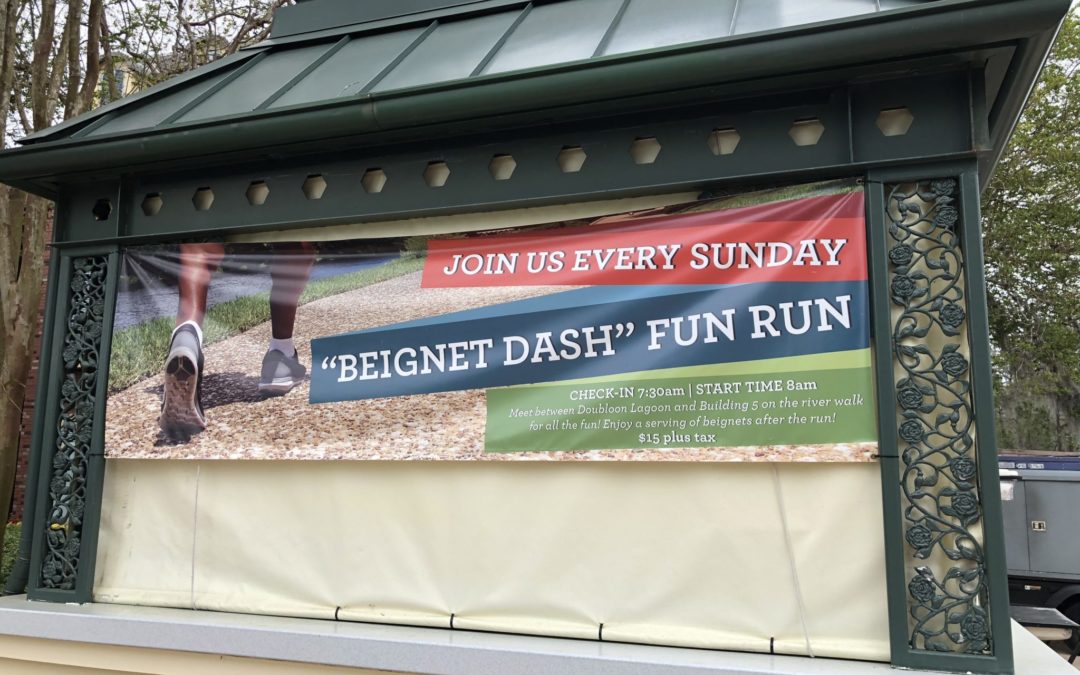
404 71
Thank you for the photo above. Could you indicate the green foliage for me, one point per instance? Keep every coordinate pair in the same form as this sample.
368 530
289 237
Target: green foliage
415 247
11 550
1031 215
139 351
739 197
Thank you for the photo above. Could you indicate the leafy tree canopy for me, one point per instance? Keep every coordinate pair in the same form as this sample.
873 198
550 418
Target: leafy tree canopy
1031 220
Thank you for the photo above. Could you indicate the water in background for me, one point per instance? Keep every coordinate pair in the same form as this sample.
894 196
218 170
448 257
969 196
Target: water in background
150 289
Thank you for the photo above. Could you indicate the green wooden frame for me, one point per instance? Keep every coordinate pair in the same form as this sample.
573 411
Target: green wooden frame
852 146
997 657
85 473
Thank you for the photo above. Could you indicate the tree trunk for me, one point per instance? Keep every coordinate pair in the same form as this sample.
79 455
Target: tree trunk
39 68
18 319
9 15
13 373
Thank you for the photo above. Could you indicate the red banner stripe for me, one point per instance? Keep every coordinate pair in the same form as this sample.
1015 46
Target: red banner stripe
718 247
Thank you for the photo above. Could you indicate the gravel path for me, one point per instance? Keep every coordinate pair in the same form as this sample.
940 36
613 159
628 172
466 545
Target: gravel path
242 425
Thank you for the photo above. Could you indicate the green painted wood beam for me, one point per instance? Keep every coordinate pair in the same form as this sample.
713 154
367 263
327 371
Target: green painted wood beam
591 88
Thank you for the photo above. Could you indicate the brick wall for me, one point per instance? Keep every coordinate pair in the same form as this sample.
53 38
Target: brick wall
18 498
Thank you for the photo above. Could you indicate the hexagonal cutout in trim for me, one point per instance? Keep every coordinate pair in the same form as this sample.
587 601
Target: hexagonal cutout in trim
502 167
203 199
806 132
373 181
723 141
152 204
257 193
894 121
572 158
314 186
645 150
102 209
436 174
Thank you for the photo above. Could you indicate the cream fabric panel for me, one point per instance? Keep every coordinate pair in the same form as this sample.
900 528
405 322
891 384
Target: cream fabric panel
694 555
146 533
835 523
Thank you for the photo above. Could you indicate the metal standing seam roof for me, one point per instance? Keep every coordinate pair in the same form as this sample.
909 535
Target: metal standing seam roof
390 50
420 52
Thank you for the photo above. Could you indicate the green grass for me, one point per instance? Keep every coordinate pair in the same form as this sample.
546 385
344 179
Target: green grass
776 194
11 550
139 351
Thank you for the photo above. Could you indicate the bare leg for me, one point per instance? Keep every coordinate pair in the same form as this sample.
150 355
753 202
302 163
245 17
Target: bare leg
197 261
289 270
181 406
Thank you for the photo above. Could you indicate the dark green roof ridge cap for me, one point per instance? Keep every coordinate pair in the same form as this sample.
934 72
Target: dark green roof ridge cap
604 78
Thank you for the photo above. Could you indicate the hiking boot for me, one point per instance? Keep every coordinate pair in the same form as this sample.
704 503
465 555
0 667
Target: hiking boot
181 405
280 373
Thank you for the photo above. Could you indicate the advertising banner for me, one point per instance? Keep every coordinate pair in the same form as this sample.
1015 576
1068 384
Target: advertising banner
715 330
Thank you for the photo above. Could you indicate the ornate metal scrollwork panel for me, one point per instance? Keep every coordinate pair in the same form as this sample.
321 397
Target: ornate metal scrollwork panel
947 581
74 423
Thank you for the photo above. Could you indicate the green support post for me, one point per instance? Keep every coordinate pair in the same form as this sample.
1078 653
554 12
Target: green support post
68 447
947 591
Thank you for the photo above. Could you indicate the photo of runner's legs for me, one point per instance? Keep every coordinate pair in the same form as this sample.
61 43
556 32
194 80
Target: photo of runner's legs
181 405
197 263
290 268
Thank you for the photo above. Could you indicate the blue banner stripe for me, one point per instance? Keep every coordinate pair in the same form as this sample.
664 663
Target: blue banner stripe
486 348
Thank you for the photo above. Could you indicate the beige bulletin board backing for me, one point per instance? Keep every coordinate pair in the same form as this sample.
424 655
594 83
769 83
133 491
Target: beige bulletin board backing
750 557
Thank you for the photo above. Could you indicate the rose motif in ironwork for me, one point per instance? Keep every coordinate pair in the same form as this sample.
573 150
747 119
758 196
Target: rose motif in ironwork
954 364
919 536
952 315
942 186
84 411
901 255
963 469
965 504
74 423
71 546
903 286
78 507
937 517
911 431
922 589
58 485
51 570
974 627
909 397
946 217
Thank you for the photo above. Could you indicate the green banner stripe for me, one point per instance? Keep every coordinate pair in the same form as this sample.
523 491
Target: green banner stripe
808 407
855 358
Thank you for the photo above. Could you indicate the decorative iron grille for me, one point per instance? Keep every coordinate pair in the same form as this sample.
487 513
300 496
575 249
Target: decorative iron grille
74 423
947 586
